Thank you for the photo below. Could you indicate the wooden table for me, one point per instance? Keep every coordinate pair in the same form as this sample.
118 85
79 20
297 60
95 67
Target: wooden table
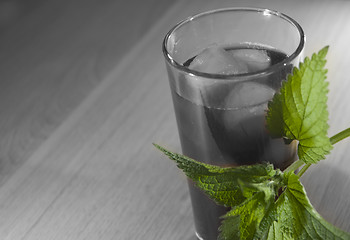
84 94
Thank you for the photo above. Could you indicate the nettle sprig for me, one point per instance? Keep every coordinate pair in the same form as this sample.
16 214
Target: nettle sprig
267 203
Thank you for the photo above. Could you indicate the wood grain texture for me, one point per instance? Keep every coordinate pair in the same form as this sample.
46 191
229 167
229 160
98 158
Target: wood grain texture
84 93
53 54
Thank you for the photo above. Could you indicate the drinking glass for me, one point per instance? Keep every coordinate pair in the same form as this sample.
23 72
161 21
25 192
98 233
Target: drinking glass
221 116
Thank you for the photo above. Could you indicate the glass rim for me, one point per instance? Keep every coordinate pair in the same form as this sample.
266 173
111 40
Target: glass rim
235 77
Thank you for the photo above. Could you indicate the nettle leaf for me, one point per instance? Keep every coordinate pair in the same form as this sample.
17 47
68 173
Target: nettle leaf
293 217
229 228
299 110
248 215
251 192
226 186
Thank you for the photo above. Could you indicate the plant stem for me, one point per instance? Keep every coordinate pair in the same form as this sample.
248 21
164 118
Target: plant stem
340 136
294 166
303 169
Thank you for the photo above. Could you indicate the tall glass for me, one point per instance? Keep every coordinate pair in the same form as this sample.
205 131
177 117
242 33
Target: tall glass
221 115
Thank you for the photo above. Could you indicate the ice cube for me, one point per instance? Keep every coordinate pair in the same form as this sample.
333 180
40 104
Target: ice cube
246 119
255 59
248 94
217 60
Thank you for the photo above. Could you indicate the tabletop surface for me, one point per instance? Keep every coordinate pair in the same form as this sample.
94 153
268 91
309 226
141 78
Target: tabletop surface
84 94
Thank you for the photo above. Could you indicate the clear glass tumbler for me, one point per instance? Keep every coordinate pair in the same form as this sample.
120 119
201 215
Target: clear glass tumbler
221 114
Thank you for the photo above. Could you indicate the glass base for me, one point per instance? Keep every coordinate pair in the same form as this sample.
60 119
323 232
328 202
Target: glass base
199 237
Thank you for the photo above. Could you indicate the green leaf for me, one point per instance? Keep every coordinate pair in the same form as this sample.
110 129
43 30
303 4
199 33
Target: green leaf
299 110
249 213
227 186
229 228
251 192
293 217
